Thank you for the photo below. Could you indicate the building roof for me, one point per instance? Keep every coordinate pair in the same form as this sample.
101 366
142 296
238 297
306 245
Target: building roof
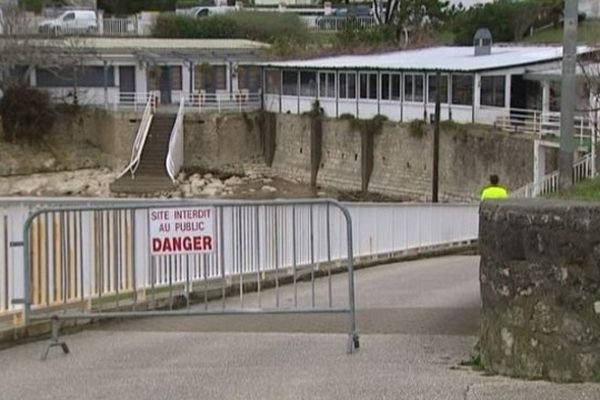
437 58
555 74
105 44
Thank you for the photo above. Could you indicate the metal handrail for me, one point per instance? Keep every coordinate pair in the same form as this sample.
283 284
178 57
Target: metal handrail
174 159
549 183
141 136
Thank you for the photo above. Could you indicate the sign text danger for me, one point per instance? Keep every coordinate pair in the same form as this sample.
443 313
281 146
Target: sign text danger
182 230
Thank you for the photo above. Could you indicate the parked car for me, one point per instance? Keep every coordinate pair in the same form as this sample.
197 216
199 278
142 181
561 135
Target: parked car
72 21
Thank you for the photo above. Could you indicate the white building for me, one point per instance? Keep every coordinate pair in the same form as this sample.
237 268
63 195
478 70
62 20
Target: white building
118 72
402 85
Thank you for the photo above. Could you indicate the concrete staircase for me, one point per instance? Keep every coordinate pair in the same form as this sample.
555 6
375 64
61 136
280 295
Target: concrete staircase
151 175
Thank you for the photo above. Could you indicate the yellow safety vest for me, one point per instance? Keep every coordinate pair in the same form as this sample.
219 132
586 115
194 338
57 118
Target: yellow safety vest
494 192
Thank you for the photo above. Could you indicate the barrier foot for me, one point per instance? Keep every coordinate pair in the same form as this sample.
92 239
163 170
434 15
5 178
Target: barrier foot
54 340
353 343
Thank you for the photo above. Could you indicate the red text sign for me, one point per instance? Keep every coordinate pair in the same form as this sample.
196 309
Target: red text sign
182 230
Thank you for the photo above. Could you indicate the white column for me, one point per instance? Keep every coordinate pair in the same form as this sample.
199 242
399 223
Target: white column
185 78
476 96
539 166
507 91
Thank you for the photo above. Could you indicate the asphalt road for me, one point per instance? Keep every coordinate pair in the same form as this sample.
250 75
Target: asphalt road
417 321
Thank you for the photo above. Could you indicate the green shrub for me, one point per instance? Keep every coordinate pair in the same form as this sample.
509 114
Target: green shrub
269 26
417 128
347 116
27 113
180 26
282 29
353 35
507 20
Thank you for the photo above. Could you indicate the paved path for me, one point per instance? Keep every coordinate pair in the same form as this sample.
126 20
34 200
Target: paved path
417 321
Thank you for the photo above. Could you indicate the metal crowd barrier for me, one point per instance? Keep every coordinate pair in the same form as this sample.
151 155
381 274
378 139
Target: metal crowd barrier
186 258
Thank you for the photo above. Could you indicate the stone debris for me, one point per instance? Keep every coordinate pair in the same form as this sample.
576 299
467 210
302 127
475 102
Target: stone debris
233 181
269 189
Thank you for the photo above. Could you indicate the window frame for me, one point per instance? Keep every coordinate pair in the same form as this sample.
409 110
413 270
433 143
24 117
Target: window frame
390 86
496 94
455 78
312 90
412 76
368 76
329 92
283 84
347 85
433 77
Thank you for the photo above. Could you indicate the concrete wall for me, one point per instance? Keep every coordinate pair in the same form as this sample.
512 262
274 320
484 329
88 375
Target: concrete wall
540 289
403 157
222 141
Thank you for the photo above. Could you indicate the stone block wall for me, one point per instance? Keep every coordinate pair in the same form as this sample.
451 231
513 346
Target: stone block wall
402 158
222 141
87 138
540 289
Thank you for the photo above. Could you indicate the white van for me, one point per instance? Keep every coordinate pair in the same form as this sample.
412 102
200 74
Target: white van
72 21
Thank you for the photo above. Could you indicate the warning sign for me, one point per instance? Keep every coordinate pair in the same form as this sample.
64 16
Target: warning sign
182 230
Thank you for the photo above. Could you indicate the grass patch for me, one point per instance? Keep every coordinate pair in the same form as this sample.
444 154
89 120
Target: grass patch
588 32
588 190
474 362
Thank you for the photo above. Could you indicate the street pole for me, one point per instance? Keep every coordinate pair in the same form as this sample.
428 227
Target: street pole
567 94
436 139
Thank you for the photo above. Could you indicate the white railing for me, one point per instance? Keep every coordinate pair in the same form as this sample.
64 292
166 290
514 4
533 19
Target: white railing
328 23
116 244
135 101
174 160
210 102
582 169
119 27
542 123
140 137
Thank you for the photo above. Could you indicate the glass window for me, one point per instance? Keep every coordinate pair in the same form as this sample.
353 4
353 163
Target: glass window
290 83
413 88
308 83
208 77
327 84
364 83
432 92
390 87
330 84
462 89
249 78
67 77
351 85
419 88
176 79
395 95
273 84
372 86
69 17
385 86
492 91
343 86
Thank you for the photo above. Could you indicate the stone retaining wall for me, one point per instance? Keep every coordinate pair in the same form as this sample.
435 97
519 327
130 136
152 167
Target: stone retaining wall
540 289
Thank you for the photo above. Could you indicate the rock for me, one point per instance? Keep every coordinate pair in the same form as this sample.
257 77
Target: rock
268 189
208 176
210 191
49 163
233 181
267 180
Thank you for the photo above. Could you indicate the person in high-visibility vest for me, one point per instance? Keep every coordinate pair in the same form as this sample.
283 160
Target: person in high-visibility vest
494 190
